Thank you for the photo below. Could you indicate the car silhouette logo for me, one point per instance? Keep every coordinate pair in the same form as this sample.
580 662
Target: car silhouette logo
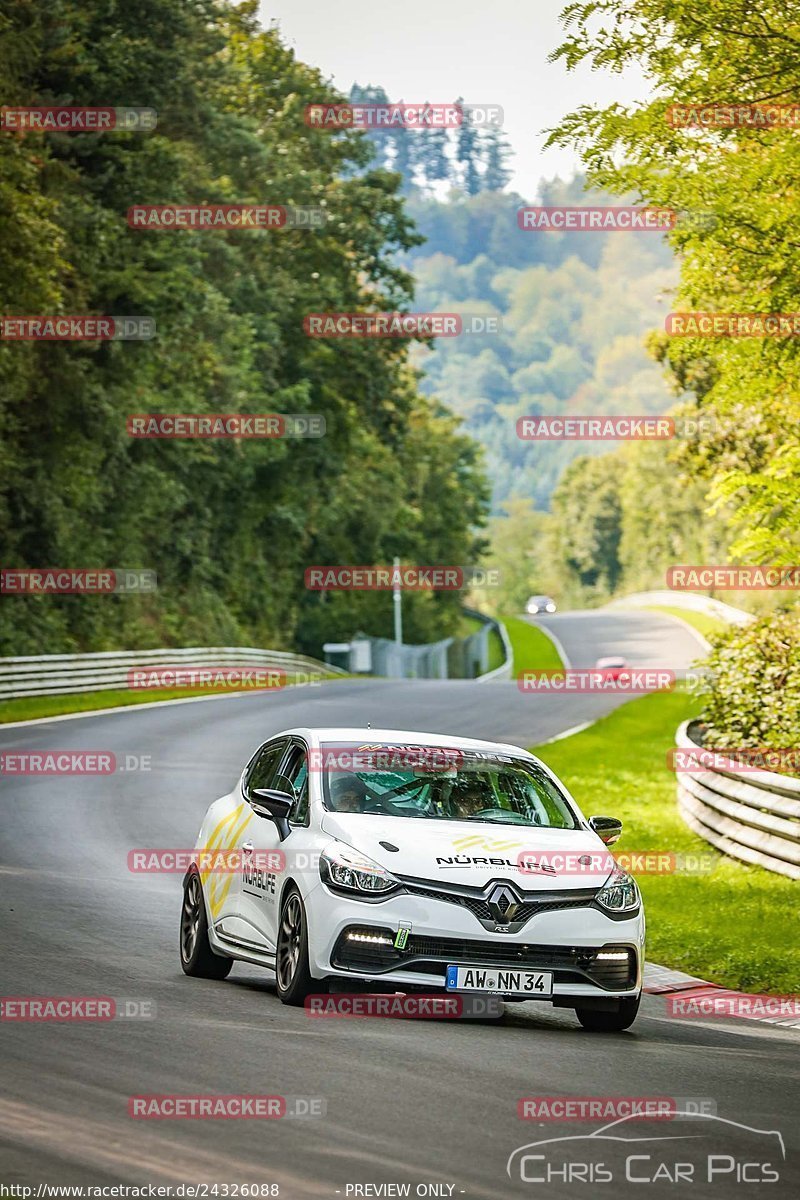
618 1132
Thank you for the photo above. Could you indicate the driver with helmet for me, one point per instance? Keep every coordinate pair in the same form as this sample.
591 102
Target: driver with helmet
348 794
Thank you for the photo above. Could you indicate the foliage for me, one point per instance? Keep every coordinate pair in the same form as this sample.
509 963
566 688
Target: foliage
618 766
228 526
573 311
465 157
518 539
752 692
744 259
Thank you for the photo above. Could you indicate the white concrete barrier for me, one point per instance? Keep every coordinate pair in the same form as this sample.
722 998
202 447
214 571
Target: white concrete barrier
752 815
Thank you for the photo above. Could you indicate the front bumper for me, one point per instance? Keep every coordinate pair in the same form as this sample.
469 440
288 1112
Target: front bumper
565 941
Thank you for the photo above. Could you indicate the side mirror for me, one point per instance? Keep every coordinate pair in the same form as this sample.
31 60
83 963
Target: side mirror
608 829
277 806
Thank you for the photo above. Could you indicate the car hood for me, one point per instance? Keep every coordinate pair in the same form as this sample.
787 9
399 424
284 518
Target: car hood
471 854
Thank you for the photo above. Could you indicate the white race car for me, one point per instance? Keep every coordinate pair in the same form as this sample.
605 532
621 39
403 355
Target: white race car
413 862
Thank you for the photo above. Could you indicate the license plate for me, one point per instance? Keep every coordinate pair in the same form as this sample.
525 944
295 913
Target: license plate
500 979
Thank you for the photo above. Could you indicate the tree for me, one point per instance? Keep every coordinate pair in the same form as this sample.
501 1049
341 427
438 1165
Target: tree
432 160
496 153
229 527
467 153
734 183
588 515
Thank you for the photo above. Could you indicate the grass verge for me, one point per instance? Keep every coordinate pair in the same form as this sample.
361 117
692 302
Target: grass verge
533 650
31 707
737 925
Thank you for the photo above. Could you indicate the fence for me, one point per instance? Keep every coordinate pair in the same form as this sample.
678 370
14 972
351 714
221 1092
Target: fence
59 674
451 658
751 815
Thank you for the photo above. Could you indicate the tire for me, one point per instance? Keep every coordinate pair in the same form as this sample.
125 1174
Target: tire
197 957
609 1022
292 972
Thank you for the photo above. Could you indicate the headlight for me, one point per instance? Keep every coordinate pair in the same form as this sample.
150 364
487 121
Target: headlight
343 867
620 894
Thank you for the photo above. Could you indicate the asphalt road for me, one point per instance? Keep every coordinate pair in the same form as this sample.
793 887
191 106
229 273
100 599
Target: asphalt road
407 1102
645 639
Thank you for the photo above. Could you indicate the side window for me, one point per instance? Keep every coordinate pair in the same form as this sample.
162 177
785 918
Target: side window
294 777
264 766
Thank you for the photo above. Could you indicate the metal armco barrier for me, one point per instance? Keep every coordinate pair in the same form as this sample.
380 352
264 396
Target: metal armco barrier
452 658
59 674
751 815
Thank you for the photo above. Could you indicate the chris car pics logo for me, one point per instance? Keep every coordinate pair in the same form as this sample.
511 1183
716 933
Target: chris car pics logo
697 1147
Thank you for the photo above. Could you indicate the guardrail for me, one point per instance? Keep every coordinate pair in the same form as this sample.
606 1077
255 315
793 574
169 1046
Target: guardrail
690 600
751 815
506 668
450 658
61 674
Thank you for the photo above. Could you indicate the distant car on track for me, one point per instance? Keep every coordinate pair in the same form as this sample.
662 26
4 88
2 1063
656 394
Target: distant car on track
540 604
613 665
413 861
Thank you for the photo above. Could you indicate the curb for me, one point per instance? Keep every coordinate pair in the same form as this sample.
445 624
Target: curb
661 981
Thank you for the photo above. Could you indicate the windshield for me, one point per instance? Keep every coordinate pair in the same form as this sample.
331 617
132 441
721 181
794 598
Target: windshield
441 784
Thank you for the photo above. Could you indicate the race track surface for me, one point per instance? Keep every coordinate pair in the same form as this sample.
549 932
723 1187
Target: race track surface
407 1102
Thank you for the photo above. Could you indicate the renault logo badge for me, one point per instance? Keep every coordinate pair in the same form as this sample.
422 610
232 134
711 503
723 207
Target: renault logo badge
503 903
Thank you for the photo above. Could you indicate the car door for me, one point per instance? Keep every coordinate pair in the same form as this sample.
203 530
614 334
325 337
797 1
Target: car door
261 883
260 773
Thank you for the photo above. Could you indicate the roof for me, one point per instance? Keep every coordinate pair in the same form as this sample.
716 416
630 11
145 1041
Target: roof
319 734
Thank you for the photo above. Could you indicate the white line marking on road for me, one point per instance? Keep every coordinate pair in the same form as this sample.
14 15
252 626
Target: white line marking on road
569 732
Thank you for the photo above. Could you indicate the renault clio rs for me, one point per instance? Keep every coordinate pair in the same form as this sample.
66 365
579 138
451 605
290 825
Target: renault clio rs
408 862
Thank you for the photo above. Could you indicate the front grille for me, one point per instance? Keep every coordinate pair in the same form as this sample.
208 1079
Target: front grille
479 907
428 955
463 950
